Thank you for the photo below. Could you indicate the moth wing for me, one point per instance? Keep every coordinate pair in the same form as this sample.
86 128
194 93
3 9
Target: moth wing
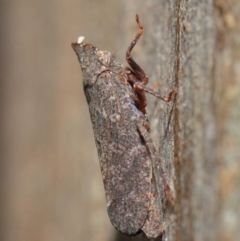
124 159
128 192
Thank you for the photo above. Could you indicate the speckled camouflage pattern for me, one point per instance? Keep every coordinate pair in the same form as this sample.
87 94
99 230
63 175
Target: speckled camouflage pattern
116 99
124 159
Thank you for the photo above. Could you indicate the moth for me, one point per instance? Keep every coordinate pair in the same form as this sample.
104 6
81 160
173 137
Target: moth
129 162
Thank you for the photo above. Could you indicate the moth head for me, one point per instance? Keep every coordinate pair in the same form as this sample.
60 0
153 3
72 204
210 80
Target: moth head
84 51
86 54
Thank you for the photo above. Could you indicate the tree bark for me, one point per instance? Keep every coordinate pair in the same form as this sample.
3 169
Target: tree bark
193 46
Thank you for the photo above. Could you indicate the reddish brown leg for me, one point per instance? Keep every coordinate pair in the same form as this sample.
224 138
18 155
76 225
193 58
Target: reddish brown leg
140 87
137 70
158 168
138 78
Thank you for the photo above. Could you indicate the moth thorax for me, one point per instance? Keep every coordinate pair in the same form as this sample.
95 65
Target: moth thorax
105 57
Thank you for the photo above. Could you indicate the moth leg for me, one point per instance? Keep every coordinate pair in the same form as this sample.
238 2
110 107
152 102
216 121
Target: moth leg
154 224
139 87
137 71
157 164
141 101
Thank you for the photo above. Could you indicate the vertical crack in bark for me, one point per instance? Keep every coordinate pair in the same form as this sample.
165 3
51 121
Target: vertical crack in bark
177 162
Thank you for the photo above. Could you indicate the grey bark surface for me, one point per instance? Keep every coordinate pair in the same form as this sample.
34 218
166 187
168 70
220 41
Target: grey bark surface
50 177
192 45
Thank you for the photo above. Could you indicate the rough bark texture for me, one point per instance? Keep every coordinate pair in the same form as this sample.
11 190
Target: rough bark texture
50 176
193 45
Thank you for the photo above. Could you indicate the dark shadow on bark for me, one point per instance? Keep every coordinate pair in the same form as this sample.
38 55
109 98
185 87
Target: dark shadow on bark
140 237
